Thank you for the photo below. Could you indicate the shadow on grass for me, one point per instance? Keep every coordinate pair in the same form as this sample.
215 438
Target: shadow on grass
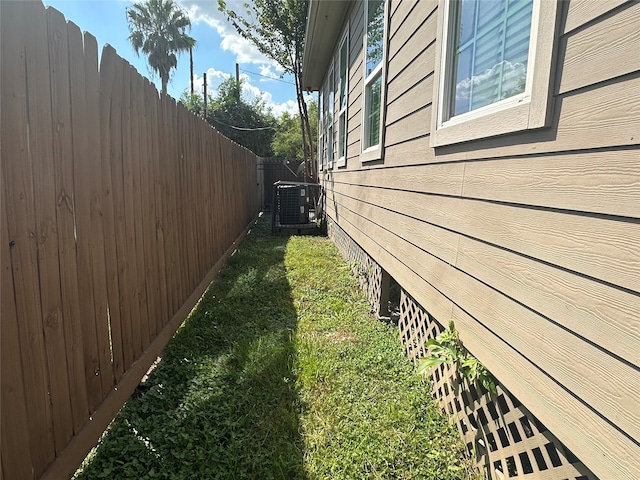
223 403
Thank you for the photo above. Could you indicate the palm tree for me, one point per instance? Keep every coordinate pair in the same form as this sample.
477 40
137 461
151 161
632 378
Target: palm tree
158 28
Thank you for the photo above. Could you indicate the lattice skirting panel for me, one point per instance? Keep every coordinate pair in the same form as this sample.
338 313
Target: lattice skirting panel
503 438
363 267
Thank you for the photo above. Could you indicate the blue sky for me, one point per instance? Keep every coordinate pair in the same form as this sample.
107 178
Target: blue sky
218 48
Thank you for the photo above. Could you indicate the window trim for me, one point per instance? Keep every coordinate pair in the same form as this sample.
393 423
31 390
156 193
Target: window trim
526 111
375 152
329 130
342 110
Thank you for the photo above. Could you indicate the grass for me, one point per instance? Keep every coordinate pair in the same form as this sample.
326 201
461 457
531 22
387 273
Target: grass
281 373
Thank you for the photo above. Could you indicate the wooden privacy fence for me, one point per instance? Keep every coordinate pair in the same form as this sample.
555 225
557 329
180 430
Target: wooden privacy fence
118 208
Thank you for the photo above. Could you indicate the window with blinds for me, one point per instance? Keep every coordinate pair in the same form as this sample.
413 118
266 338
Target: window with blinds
493 71
491 52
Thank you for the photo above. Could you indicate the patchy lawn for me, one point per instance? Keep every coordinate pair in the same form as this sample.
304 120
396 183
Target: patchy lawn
281 373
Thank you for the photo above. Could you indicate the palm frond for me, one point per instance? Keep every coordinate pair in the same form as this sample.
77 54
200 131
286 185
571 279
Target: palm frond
159 29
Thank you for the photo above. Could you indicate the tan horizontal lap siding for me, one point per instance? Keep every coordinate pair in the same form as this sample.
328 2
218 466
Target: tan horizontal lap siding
581 369
567 298
609 49
581 12
531 240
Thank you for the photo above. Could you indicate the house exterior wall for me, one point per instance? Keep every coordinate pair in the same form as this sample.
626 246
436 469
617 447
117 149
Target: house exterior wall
529 241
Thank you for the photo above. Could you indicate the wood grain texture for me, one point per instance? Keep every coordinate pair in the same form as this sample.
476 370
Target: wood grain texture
583 11
603 315
18 201
105 319
158 203
540 257
85 188
402 76
423 37
444 179
106 207
417 25
157 302
129 209
41 136
83 176
115 163
66 214
587 372
410 127
605 50
601 248
166 169
14 450
140 217
147 211
398 12
437 241
356 31
413 99
439 305
605 182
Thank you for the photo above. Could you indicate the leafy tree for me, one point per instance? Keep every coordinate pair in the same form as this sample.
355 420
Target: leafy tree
158 29
277 29
250 124
194 102
287 141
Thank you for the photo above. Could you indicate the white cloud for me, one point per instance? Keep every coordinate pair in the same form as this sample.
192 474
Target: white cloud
214 79
290 106
512 75
251 92
243 49
201 11
207 12
268 72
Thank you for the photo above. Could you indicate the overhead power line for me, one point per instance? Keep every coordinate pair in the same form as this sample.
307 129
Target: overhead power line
253 129
267 76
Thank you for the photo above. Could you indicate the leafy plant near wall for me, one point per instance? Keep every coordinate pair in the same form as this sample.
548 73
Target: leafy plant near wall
361 272
447 348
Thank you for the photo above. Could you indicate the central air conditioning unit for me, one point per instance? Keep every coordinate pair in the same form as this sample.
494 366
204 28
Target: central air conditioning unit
292 204
295 207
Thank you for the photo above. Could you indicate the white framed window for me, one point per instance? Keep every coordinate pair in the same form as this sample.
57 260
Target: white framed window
329 137
342 93
374 61
493 69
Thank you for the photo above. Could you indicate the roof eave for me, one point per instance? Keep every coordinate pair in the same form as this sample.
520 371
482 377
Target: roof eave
324 20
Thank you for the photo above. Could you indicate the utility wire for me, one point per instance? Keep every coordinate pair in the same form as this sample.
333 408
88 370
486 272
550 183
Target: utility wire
242 128
266 76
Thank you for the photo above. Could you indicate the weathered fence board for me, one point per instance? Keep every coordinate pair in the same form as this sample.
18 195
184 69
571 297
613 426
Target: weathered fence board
20 210
14 420
41 137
